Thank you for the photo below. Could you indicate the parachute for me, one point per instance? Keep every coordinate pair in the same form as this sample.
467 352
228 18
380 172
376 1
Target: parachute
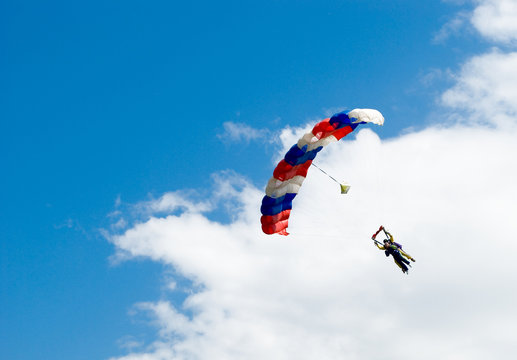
291 171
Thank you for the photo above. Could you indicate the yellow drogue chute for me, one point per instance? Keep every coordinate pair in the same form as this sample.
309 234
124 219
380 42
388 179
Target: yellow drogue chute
344 188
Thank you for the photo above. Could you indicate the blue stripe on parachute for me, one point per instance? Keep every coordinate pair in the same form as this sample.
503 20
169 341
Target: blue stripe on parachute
340 120
297 156
273 206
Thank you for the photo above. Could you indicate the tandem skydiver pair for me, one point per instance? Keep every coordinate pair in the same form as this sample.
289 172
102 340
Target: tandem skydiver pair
394 249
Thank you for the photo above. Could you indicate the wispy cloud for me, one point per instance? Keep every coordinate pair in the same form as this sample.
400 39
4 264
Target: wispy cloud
71 224
452 27
238 132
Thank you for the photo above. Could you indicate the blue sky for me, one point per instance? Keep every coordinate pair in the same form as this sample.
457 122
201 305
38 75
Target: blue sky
106 106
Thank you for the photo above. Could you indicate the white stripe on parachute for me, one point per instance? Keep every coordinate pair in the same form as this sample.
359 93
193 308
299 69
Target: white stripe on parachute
313 142
276 188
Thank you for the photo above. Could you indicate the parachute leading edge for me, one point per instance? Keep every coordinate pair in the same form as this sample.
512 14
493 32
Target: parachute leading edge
291 171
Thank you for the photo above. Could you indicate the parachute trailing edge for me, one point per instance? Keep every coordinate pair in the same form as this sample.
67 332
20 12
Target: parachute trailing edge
291 171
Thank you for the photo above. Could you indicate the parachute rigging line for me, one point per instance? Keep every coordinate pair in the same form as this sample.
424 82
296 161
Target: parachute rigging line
343 186
323 171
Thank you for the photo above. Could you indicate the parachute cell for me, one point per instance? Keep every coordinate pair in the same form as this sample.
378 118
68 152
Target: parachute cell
291 171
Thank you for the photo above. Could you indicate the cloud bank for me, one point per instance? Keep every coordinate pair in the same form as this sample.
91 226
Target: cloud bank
325 292
446 192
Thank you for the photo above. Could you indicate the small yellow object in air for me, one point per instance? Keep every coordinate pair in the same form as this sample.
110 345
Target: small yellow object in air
344 188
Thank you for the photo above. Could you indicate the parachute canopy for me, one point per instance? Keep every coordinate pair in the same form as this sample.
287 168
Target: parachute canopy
291 171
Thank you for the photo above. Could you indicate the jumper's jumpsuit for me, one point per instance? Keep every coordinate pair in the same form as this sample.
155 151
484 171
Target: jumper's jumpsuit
397 254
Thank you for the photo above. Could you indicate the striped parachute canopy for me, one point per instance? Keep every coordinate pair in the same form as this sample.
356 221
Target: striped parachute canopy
291 171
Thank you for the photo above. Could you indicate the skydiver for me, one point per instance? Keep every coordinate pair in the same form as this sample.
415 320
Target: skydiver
390 247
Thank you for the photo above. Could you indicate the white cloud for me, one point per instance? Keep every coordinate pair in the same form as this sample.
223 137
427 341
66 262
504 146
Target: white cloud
325 292
486 89
496 20
173 201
